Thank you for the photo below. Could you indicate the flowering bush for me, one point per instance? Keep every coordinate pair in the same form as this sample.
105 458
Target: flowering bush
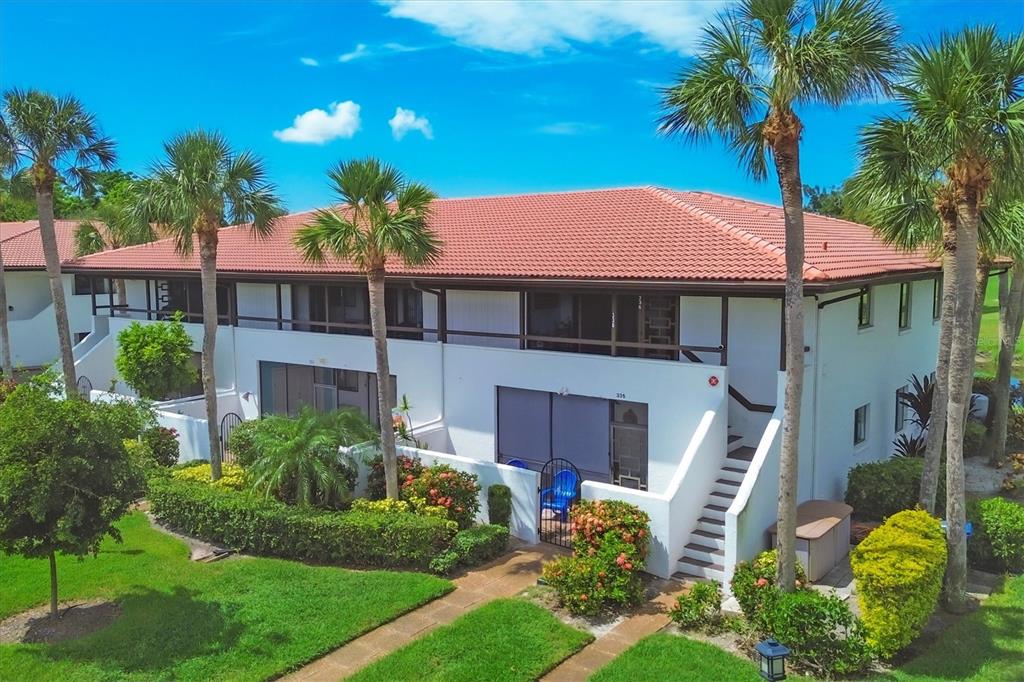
753 585
610 541
232 476
163 444
442 486
375 486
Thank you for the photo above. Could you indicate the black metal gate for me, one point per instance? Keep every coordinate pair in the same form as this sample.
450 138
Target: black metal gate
84 386
560 484
227 425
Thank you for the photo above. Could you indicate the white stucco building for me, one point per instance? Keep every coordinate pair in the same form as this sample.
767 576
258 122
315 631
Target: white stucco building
635 333
31 323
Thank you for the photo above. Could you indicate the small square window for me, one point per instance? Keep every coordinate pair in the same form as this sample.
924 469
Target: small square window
937 298
864 309
860 425
905 299
85 285
901 408
347 380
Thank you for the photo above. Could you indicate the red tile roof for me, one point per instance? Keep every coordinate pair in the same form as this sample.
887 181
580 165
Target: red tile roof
23 246
629 234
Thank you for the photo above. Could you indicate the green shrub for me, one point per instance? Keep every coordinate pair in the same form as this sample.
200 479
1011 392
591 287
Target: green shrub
162 443
899 568
998 539
701 607
1015 429
241 442
375 486
156 359
499 504
822 633
267 527
472 547
232 476
877 490
385 506
974 438
440 485
610 540
753 585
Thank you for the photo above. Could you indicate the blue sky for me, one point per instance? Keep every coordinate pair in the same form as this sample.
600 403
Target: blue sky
495 98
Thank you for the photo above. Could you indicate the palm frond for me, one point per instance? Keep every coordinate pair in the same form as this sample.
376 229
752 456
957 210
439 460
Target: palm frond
88 239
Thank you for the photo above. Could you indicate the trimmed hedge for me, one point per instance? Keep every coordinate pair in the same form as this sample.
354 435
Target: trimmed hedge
499 504
267 527
998 539
899 569
877 490
472 547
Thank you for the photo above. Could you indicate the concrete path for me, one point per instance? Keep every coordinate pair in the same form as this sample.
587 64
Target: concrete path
504 577
652 617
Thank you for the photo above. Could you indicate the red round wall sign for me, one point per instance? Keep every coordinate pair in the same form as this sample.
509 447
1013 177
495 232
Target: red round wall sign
713 380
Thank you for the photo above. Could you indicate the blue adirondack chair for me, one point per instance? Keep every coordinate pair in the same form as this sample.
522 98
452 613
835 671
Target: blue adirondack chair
559 497
517 463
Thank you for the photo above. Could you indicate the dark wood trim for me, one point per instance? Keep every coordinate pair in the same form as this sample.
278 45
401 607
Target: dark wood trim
110 295
840 299
615 323
442 315
749 406
149 300
724 335
522 320
280 311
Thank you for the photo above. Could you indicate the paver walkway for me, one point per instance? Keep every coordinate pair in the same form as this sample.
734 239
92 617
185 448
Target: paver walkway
504 577
651 618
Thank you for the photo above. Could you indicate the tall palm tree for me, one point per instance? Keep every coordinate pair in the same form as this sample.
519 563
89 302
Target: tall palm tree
756 64
962 96
8 161
201 186
117 225
56 138
382 215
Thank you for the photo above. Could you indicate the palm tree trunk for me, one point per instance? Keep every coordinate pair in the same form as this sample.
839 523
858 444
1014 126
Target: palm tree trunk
961 370
208 275
44 202
937 427
53 585
378 325
5 332
122 295
787 163
1011 303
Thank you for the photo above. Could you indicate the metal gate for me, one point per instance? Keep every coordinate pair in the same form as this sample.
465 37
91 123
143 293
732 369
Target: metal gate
227 425
84 386
559 491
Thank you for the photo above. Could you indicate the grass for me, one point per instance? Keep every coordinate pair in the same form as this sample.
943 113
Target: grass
988 339
985 646
241 619
507 639
671 658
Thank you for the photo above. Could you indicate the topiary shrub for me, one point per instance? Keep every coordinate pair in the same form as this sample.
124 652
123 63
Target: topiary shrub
610 541
472 547
998 539
899 569
499 504
440 485
162 443
877 490
701 607
753 585
823 635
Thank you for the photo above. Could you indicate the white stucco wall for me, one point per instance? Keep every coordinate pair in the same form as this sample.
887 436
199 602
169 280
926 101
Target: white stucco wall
483 311
32 325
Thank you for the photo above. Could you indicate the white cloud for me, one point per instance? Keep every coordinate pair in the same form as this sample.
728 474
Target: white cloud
362 51
406 120
317 126
535 26
309 61
569 128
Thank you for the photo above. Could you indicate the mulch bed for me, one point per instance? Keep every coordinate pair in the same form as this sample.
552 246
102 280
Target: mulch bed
77 619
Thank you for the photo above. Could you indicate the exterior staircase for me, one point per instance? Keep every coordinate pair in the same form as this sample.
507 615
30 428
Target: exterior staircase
704 555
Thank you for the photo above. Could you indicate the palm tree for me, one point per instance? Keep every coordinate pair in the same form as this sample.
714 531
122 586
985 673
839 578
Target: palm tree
8 161
117 225
755 65
382 215
299 460
56 139
961 97
202 186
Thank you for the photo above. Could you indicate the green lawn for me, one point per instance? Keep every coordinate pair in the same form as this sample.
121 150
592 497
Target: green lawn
241 619
988 339
671 658
507 640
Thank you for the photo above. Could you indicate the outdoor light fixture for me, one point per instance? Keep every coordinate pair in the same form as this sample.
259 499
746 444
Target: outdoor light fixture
772 660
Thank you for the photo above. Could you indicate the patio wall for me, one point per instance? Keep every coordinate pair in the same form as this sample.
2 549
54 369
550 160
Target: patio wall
193 439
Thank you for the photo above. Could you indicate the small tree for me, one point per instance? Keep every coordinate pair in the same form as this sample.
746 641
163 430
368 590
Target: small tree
65 476
156 359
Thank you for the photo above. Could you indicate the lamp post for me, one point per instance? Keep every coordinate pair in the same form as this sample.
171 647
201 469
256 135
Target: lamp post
772 663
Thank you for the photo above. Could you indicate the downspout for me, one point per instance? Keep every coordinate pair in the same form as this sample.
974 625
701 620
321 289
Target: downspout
814 412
